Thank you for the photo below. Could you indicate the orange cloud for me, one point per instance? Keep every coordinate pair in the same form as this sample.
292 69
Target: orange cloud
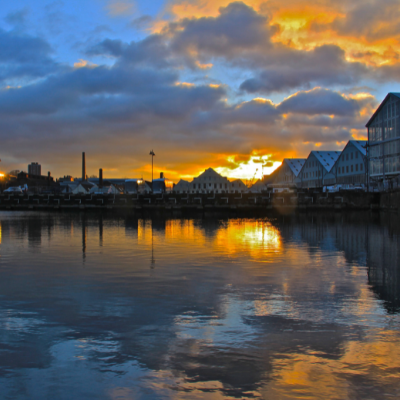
304 26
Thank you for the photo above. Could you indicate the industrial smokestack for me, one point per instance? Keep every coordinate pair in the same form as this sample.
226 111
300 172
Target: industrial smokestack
161 175
101 177
83 167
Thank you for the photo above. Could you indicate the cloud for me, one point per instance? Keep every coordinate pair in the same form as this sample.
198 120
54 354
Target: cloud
237 28
325 65
119 8
142 22
320 101
17 18
22 55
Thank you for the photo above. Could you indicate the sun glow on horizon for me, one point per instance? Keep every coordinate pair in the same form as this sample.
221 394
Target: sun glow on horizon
255 168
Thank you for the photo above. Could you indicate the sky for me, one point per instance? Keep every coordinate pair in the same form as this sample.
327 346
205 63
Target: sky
235 86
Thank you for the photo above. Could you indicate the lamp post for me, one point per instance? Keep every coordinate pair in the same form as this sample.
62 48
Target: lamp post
152 154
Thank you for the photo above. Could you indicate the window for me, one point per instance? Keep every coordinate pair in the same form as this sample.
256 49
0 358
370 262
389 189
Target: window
356 167
226 185
204 185
347 157
215 185
356 155
342 170
347 168
361 167
220 185
351 168
351 155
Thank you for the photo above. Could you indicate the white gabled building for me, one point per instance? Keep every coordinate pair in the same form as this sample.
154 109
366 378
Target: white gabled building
182 187
316 167
210 182
289 170
350 167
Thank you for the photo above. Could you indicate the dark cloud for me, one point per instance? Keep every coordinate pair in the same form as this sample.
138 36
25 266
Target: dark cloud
324 65
141 22
107 47
237 28
17 18
320 101
373 20
23 55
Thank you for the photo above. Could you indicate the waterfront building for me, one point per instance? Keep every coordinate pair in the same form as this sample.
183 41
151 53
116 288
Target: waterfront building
317 165
81 188
350 168
384 140
137 186
106 188
182 187
34 169
211 181
286 174
161 185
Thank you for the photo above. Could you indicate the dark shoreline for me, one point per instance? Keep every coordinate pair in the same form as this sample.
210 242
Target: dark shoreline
240 204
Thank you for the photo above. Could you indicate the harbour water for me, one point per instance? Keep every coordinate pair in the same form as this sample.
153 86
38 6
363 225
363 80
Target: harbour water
285 307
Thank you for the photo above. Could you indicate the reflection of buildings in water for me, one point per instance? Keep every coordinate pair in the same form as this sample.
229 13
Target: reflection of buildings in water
101 231
327 232
153 260
34 232
84 238
383 260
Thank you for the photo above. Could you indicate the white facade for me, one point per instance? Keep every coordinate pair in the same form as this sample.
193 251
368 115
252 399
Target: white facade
350 167
316 167
287 173
211 182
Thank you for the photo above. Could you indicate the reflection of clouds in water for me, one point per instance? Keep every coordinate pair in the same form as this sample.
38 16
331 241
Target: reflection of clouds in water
275 308
19 322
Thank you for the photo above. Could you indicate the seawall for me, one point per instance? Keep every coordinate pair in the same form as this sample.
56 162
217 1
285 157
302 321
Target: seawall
184 203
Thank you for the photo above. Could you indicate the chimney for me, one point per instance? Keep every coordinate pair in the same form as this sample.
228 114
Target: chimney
101 177
48 175
161 175
83 167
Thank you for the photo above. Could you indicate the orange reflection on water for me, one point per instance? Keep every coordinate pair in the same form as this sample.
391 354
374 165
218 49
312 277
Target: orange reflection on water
313 375
258 238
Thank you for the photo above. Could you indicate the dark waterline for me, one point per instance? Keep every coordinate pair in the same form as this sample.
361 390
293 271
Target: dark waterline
108 307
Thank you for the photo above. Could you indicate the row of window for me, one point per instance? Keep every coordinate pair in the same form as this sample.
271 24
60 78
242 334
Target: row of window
204 178
341 170
198 185
389 148
392 164
345 157
309 175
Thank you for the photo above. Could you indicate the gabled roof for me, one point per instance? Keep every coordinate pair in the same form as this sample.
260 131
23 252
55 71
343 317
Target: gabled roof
210 172
295 164
359 145
326 158
397 94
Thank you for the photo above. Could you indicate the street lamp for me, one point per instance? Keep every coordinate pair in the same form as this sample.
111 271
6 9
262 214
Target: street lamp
152 154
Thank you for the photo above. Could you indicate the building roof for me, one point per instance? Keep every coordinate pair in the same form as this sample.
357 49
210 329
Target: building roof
359 145
326 158
295 164
397 94
209 172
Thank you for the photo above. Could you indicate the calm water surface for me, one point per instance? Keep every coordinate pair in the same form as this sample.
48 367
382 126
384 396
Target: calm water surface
106 307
